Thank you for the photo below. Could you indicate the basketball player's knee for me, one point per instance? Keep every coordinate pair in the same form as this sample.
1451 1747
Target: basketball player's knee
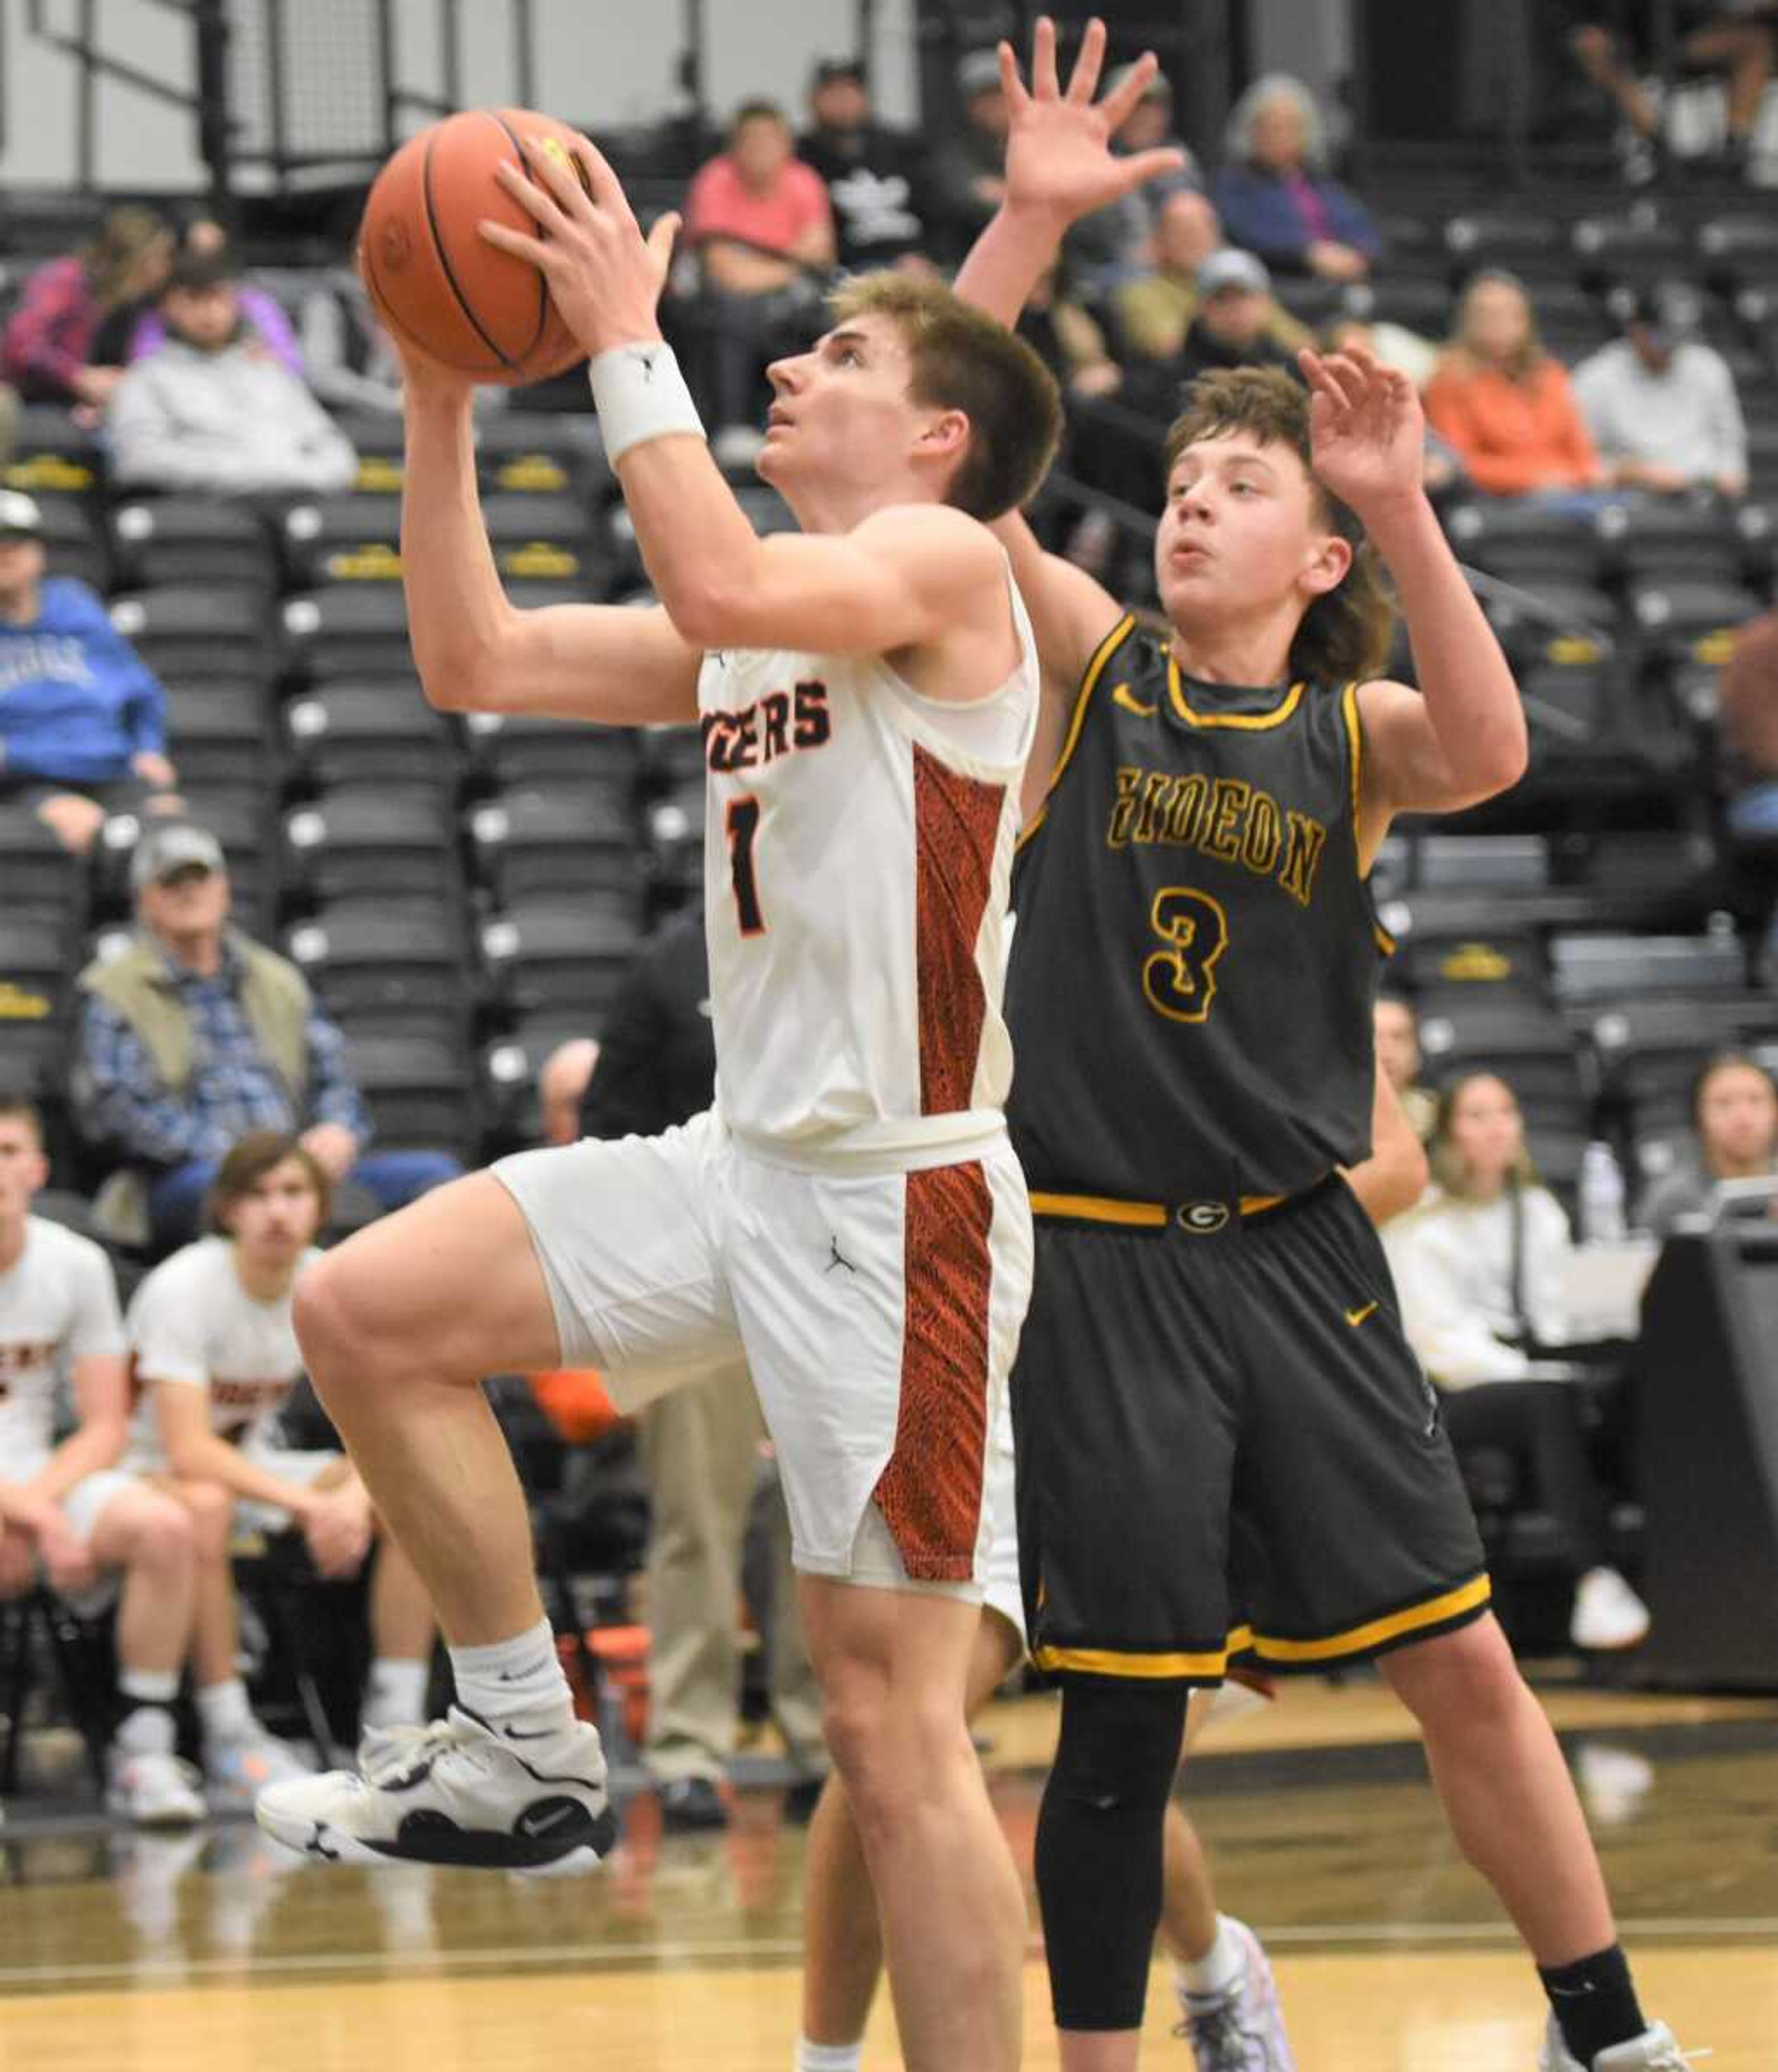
1467 1677
165 1541
891 1754
211 1511
335 1326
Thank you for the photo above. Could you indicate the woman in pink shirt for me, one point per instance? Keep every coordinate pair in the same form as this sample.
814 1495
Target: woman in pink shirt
760 221
1506 406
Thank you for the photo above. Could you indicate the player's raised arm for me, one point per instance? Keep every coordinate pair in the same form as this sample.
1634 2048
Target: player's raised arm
1461 737
1059 167
477 651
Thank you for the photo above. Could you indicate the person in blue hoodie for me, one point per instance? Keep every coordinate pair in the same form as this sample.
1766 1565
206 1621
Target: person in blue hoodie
82 719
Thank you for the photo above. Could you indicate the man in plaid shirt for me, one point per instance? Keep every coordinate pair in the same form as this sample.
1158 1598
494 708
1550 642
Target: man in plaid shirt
196 1035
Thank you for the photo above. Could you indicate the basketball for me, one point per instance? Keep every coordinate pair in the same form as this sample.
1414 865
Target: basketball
435 280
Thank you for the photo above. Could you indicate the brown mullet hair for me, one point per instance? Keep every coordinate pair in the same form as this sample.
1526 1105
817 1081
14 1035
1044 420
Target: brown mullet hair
247 1160
1344 636
963 360
13 1107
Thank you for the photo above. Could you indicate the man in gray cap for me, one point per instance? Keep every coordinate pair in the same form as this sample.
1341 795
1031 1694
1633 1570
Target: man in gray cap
83 721
1660 405
196 1035
1233 326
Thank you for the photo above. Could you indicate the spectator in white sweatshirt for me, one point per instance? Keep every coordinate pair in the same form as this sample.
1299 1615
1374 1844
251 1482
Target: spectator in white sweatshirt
1479 1271
214 409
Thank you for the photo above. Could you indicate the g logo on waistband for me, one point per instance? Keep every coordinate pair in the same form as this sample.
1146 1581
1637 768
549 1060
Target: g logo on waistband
1202 1218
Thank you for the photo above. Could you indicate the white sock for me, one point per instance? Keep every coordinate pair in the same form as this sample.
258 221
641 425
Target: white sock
223 1711
145 1730
395 1692
1217 1972
519 1678
827 2057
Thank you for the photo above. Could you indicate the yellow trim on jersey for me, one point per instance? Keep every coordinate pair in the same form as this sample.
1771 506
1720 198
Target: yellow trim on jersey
1114 1662
1360 1639
1385 942
1348 700
1089 683
1251 722
1137 1215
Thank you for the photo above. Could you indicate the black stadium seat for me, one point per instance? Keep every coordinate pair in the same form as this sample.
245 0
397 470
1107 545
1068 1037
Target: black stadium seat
534 843
528 452
159 541
1528 1044
1446 939
1586 969
366 840
543 538
515 751
355 733
1656 543
195 632
49 451
37 874
353 538
1520 541
72 546
1650 1051
558 957
383 964
420 1089
348 629
220 734
1630 251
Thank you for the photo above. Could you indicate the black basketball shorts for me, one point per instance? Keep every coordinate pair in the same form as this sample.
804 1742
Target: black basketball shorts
1227 1453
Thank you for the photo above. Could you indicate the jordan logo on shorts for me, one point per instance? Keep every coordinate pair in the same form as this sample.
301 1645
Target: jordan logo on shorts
839 1258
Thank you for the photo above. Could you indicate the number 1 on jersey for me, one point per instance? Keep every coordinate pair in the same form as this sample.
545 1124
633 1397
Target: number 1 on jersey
743 823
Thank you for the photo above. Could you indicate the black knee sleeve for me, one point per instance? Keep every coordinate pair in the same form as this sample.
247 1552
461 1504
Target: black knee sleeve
1099 1852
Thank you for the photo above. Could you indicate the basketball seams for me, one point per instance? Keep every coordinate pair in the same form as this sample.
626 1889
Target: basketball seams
543 285
461 300
386 310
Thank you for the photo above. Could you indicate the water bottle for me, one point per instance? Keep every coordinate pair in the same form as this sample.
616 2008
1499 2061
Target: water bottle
1601 1195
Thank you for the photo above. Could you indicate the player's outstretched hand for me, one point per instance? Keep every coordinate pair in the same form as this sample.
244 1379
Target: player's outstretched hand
604 276
1367 432
1058 152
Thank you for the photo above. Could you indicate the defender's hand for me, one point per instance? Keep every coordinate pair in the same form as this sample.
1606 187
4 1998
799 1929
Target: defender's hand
604 276
1059 159
1367 433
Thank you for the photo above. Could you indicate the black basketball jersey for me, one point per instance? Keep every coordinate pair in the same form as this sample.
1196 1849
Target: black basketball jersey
1195 961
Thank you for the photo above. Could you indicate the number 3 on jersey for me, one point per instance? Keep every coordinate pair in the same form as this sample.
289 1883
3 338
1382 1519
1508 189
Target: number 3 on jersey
743 824
1180 981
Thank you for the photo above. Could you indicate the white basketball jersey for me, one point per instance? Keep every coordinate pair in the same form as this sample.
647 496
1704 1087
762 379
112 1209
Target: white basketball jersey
58 1305
192 1322
857 858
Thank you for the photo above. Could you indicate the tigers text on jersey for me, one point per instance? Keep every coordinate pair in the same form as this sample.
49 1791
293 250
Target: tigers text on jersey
1195 964
858 852
191 1321
58 1305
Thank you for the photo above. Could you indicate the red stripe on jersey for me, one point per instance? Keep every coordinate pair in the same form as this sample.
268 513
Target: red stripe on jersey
930 1493
957 824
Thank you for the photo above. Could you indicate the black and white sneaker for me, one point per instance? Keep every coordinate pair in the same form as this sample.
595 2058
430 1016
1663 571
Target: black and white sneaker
455 1792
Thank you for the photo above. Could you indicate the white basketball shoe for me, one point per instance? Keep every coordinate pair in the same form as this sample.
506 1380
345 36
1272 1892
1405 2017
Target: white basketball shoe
1242 2028
455 1792
1654 2050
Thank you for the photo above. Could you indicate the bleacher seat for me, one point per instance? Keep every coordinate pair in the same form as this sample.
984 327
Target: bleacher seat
1740 252
220 736
362 839
353 733
672 757
1650 1051
1491 864
1691 619
1446 939
1655 544
1586 969
348 629
380 963
72 546
528 452
540 539
512 751
51 452
1519 541
419 1088
37 874
34 967
1535 247
508 1068
380 442
1527 1043
558 957
534 842
1631 251
165 542
192 632
343 539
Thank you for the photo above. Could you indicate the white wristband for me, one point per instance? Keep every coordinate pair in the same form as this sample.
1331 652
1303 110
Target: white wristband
640 394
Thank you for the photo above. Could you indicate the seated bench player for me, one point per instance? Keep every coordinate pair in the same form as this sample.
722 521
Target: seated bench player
67 1514
216 1359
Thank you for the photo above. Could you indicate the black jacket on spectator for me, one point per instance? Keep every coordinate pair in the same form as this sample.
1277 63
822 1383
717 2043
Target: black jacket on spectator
874 182
959 213
1202 353
658 1055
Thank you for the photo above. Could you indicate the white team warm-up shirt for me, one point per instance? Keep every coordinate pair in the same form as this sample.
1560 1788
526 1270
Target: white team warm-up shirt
192 1323
58 1305
858 857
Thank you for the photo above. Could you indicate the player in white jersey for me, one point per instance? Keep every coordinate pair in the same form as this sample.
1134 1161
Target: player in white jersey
66 1511
848 1215
215 1358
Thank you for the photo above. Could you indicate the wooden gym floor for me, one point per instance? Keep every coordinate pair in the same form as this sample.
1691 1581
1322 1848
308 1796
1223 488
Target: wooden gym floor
125 1954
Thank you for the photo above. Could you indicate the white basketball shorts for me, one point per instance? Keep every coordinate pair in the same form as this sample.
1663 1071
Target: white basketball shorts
878 1315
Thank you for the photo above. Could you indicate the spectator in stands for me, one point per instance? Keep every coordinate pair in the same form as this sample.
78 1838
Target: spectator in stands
263 320
1398 1056
1117 244
874 174
968 169
352 364
1660 405
214 410
1066 337
702 1443
195 1035
1735 1111
1506 407
759 220
1480 1269
1235 324
67 1514
46 351
1394 345
561 1087
1738 39
215 1357
82 719
1274 194
1155 312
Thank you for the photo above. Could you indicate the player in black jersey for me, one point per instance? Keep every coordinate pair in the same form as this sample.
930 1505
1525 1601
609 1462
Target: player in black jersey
1225 1450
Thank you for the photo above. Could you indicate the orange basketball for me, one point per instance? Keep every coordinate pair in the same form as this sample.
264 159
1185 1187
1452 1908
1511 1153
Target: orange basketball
434 278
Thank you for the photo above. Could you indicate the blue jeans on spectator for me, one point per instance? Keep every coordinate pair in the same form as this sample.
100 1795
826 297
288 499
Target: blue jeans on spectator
393 1177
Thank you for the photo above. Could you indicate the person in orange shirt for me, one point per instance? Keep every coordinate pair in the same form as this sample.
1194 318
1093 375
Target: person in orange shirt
1506 407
